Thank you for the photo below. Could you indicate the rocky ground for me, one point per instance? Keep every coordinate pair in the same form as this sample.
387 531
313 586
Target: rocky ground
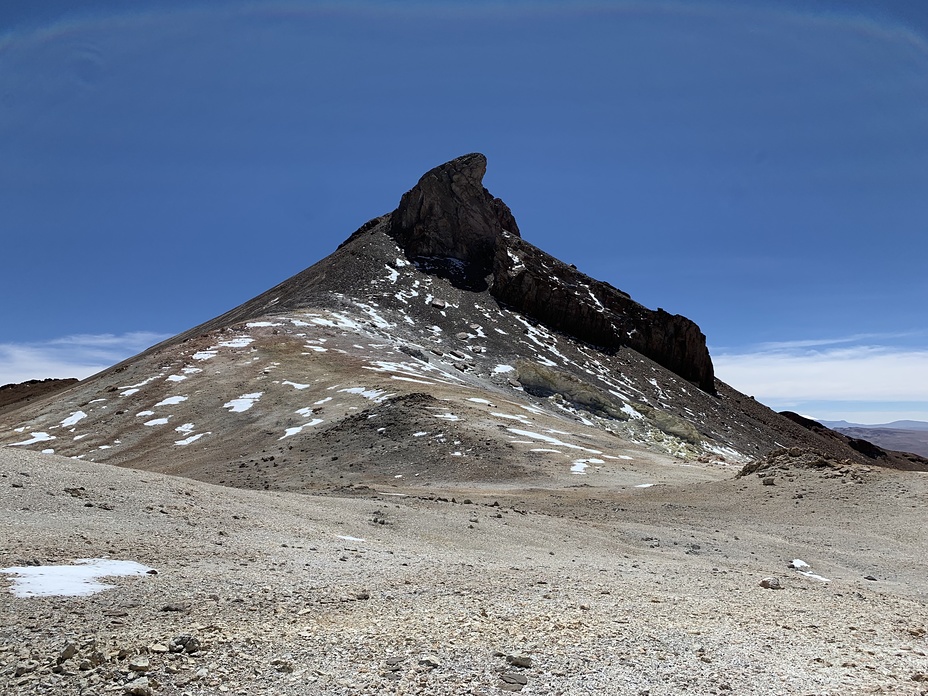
457 589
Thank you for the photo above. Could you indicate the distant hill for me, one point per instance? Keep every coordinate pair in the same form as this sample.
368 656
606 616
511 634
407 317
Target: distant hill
895 425
12 396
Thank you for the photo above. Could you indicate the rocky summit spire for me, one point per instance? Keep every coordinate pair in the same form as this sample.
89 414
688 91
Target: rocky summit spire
450 220
450 225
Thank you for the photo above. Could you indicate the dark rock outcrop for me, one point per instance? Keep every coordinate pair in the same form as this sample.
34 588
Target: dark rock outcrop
558 295
451 221
449 224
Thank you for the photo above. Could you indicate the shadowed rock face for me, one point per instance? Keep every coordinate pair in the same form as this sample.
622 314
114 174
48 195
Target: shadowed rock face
558 295
449 224
450 221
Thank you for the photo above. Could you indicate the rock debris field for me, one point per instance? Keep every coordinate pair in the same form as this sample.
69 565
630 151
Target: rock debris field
468 591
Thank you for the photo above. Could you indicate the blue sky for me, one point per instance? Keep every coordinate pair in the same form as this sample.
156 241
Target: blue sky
759 167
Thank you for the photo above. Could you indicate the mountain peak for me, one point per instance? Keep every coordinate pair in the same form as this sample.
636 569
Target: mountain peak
448 217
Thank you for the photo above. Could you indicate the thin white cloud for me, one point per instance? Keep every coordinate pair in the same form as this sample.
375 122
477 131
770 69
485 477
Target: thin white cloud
880 339
70 356
859 373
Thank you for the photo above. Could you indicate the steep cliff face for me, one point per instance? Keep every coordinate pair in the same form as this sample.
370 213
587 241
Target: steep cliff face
537 284
451 225
452 222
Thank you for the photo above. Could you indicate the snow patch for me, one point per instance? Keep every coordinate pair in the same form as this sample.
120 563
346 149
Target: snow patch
36 437
70 581
296 429
171 401
237 342
73 418
243 403
193 438
378 396
580 465
551 440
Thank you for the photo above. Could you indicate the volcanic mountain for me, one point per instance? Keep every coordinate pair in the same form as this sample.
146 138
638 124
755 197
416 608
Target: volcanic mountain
435 345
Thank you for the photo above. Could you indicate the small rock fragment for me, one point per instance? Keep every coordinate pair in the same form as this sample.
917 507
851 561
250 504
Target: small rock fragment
519 660
282 665
70 650
512 681
771 584
137 687
430 662
174 607
139 664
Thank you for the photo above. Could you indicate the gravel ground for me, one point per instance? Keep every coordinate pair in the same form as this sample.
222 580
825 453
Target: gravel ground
454 591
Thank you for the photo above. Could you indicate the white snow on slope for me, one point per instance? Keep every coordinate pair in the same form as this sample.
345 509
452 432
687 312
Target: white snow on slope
237 342
243 403
73 419
171 401
551 440
376 395
140 384
192 438
296 429
36 437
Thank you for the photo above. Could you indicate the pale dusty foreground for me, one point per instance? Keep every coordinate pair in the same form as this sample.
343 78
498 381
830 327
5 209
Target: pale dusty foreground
648 591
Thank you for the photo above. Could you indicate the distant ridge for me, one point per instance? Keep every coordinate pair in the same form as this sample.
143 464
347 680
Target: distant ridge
901 435
895 425
16 395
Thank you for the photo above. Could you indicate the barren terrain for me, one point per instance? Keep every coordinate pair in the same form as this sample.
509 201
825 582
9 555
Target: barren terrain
448 589
441 461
